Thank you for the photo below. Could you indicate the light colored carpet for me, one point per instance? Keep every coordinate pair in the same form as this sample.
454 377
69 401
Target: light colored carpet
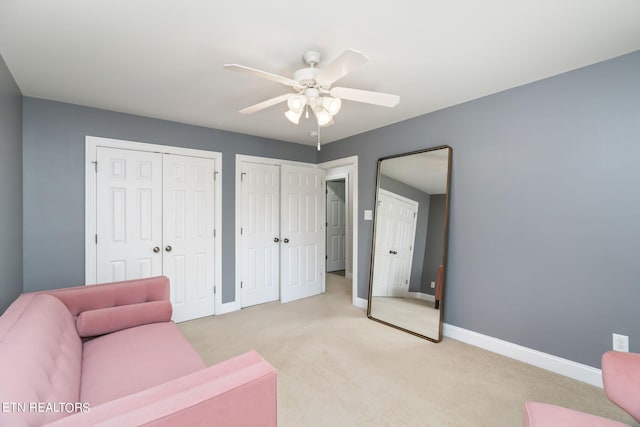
416 315
338 368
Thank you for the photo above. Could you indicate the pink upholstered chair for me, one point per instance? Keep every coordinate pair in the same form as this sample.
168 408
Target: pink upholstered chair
621 378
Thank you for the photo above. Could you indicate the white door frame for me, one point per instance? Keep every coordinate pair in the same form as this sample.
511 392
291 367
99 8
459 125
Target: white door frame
238 212
351 162
91 143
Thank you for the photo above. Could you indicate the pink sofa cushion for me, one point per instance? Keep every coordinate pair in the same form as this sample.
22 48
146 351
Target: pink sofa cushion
545 415
621 378
40 361
106 320
132 360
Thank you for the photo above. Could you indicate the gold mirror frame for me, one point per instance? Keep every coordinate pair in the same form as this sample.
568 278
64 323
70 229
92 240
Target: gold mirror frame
394 316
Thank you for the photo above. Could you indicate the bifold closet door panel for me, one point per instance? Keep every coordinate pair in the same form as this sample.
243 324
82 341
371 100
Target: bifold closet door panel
303 232
188 234
260 233
128 214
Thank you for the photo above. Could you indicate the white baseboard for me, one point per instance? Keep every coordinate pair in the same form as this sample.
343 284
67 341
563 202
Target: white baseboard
568 368
422 296
360 303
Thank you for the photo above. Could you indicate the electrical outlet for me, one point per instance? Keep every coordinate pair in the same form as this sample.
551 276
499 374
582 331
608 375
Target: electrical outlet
620 342
433 285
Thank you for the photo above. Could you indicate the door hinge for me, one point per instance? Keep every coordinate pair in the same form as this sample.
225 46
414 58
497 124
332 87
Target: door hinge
406 282
214 233
240 285
215 175
414 214
242 174
241 231
96 236
95 166
214 290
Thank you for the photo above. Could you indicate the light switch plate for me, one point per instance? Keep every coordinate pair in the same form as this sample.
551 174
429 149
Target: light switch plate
368 215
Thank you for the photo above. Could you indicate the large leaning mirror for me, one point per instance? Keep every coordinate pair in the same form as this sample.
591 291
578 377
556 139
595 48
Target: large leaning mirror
406 288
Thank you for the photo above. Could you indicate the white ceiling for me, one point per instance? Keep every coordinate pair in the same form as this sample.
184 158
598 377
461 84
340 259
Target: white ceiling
425 171
164 58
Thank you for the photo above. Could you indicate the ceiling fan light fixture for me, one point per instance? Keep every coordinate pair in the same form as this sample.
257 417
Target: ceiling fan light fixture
332 105
323 117
296 103
293 116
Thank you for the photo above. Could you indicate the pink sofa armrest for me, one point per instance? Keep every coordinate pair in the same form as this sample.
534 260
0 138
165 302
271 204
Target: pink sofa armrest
621 378
239 391
92 297
538 414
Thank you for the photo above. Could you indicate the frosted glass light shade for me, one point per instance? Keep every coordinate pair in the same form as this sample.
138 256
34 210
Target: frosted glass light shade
332 105
293 116
296 103
324 117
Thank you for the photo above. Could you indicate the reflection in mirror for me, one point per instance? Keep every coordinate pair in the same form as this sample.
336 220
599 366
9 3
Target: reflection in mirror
409 241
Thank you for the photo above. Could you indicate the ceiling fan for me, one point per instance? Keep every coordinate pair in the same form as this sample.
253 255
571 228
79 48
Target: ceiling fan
313 89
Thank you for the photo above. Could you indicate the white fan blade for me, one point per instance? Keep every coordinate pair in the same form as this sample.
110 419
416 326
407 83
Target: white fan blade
348 61
377 98
262 74
265 104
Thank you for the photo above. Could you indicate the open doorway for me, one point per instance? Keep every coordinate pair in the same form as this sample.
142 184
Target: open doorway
346 169
336 226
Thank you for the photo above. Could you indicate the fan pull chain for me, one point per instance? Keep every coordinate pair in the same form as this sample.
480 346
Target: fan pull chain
318 136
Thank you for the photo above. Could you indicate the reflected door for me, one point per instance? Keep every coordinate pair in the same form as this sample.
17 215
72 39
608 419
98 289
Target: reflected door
395 235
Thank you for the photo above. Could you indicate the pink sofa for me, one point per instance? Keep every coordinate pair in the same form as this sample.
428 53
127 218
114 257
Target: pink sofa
110 355
621 379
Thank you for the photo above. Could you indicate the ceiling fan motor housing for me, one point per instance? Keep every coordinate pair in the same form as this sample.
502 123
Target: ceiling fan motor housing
306 76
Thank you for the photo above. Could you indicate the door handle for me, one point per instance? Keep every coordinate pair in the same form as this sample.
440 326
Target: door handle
286 240
168 248
156 249
393 252
275 239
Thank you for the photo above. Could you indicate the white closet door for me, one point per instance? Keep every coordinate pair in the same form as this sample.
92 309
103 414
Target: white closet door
260 205
335 225
405 214
303 232
395 235
188 234
128 214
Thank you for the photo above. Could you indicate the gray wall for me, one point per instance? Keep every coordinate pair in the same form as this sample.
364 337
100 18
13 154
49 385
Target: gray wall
422 198
544 237
54 156
10 188
433 247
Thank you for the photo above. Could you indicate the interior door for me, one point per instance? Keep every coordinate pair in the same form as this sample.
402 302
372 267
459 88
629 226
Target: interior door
335 225
128 214
303 232
188 234
260 233
395 234
405 216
